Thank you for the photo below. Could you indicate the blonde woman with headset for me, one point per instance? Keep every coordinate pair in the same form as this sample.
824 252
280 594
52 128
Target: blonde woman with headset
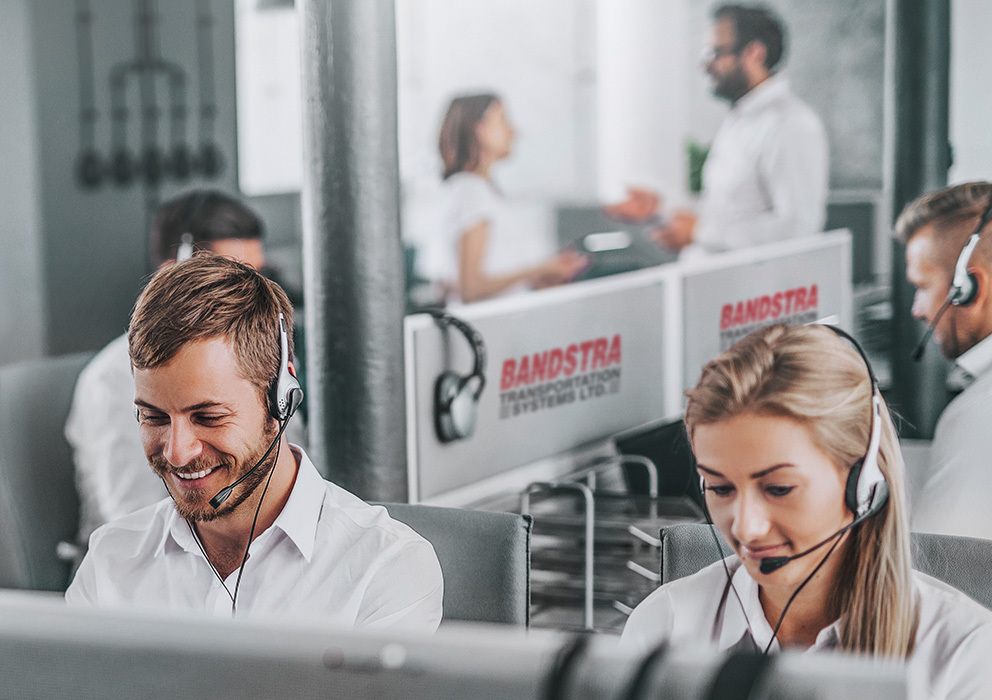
821 561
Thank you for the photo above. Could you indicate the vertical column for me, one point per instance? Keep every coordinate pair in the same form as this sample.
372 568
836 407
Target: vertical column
922 157
353 271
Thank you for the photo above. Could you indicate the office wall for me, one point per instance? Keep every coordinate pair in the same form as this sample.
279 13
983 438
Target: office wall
93 242
971 101
22 305
643 76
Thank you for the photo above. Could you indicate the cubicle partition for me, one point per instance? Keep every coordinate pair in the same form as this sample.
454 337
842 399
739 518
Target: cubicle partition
564 368
570 366
726 297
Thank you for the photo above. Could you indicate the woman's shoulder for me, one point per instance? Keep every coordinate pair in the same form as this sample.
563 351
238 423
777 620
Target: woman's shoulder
945 608
469 182
678 608
953 641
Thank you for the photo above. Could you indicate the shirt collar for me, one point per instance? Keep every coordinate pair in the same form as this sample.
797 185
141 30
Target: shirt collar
765 92
298 518
748 618
977 360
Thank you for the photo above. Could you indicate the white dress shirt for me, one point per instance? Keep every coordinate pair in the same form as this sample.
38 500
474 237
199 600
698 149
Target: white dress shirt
328 555
953 638
767 173
956 493
112 475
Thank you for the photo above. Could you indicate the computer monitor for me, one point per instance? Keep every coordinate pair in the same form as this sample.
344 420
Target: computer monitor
50 651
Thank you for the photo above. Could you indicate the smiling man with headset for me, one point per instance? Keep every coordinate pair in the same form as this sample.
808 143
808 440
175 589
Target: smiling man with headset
249 527
949 261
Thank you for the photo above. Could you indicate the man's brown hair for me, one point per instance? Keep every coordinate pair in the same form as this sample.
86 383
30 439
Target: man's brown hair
206 297
945 207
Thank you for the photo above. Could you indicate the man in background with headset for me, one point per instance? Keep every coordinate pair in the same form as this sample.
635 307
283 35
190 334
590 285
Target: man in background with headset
111 474
954 297
249 527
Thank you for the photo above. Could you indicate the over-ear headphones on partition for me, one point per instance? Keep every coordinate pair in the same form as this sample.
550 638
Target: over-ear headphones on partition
456 396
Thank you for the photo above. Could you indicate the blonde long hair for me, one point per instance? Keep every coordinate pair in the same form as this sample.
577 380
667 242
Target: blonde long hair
810 375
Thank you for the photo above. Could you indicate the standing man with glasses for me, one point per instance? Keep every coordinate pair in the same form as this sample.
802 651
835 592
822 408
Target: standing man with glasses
766 176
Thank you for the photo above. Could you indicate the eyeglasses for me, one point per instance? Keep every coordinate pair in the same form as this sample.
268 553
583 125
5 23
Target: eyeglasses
712 53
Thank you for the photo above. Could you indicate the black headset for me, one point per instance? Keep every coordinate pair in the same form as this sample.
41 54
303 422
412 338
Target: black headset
867 490
187 241
456 396
964 286
285 392
285 396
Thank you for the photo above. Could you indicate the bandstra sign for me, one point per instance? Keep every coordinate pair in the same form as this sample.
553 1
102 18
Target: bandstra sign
791 306
559 376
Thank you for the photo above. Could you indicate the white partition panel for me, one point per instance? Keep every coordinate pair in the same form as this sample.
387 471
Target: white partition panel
729 296
570 366
565 368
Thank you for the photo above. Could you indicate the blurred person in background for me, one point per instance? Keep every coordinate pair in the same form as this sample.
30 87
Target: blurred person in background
767 174
477 254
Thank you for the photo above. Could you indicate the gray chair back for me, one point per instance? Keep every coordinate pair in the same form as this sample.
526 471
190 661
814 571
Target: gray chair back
962 562
484 557
38 503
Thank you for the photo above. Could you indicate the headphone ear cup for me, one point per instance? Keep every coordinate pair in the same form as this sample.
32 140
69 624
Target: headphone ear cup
851 489
972 292
454 407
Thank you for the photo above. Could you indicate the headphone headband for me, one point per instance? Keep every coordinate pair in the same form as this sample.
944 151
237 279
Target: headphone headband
456 397
474 339
867 490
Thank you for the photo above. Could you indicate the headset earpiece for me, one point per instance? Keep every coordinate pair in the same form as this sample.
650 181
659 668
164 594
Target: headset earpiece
456 397
964 286
285 393
866 490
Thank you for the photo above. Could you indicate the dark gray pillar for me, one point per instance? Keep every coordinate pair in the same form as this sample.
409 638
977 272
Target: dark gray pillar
352 255
922 157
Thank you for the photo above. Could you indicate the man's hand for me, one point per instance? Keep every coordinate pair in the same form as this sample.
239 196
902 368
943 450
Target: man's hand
678 232
639 206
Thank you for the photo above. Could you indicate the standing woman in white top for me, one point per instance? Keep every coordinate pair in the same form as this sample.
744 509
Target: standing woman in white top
777 424
483 258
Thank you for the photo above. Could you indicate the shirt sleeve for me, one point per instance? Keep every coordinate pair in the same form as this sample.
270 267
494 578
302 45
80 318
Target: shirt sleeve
968 675
82 591
473 203
406 592
793 166
952 499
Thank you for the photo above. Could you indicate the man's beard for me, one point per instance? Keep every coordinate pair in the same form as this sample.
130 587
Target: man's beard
732 86
193 504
